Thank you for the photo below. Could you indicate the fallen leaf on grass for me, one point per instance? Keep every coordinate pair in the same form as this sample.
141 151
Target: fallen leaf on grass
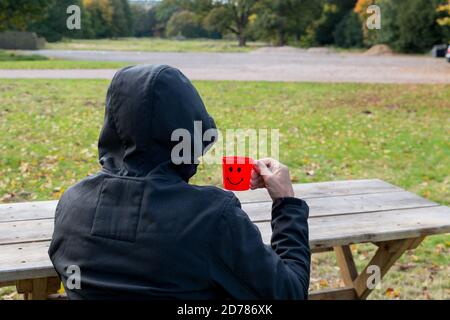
406 266
391 293
323 283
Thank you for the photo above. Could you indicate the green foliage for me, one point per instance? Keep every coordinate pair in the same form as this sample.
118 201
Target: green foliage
10 56
109 18
389 31
17 14
417 26
407 25
231 16
184 23
144 21
53 27
280 20
333 12
348 32
121 24
37 62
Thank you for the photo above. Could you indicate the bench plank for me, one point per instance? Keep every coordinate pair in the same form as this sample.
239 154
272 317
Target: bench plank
340 205
30 260
42 229
45 209
260 211
26 231
324 189
25 261
27 210
324 231
342 230
342 213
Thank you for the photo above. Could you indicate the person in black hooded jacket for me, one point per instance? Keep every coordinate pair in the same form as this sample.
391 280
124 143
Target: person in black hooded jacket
139 230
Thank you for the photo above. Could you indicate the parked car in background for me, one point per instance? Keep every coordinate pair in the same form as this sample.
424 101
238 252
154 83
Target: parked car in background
447 55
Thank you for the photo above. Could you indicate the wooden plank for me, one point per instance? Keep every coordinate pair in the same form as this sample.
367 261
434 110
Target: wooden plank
7 284
324 189
386 255
372 227
38 288
39 291
344 259
325 232
319 207
347 293
42 229
27 210
416 243
25 261
46 209
26 231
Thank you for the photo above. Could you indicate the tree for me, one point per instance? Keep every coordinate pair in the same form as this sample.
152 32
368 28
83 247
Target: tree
333 12
348 33
163 12
184 23
101 17
110 18
278 20
231 16
144 21
122 23
443 20
54 26
418 29
18 14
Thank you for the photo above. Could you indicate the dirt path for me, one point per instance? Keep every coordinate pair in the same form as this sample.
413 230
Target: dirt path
291 65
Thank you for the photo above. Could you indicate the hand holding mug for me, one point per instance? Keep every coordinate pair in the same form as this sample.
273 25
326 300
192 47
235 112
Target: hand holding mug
274 176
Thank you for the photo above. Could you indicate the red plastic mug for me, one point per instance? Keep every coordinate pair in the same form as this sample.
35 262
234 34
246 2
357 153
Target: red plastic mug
237 172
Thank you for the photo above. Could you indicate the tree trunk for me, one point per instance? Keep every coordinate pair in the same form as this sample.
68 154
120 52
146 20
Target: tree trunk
281 38
242 40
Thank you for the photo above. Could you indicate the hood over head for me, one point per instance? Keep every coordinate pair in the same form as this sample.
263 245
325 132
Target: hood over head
144 105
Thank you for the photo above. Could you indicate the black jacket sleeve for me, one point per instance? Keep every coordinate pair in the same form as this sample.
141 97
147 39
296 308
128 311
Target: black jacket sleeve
248 269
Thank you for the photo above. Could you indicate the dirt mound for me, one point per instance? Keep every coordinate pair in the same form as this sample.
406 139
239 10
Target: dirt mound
379 50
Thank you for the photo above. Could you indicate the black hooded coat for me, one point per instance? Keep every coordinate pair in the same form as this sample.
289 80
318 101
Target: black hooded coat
139 230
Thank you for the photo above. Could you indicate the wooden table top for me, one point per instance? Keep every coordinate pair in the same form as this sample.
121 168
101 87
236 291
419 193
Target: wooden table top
341 213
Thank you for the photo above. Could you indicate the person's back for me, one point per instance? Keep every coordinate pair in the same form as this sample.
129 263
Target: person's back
138 229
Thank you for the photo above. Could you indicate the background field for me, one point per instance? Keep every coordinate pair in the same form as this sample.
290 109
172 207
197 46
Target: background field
14 60
398 133
155 45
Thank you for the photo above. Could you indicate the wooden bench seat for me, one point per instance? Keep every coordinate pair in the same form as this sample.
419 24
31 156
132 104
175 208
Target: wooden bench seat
341 213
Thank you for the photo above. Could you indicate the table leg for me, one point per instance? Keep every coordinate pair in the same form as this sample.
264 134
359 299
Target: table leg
387 254
38 289
346 264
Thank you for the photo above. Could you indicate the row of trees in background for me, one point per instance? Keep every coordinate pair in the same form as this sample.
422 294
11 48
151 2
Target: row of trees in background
406 25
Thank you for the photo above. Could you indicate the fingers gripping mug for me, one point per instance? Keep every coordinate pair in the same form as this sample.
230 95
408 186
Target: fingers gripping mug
237 172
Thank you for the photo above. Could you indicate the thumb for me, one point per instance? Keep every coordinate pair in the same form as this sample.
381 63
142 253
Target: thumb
262 169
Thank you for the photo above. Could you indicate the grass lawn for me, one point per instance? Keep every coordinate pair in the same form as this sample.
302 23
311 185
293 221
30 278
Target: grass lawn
13 60
155 45
62 64
398 133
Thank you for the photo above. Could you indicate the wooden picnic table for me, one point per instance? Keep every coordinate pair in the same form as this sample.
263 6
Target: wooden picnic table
341 213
